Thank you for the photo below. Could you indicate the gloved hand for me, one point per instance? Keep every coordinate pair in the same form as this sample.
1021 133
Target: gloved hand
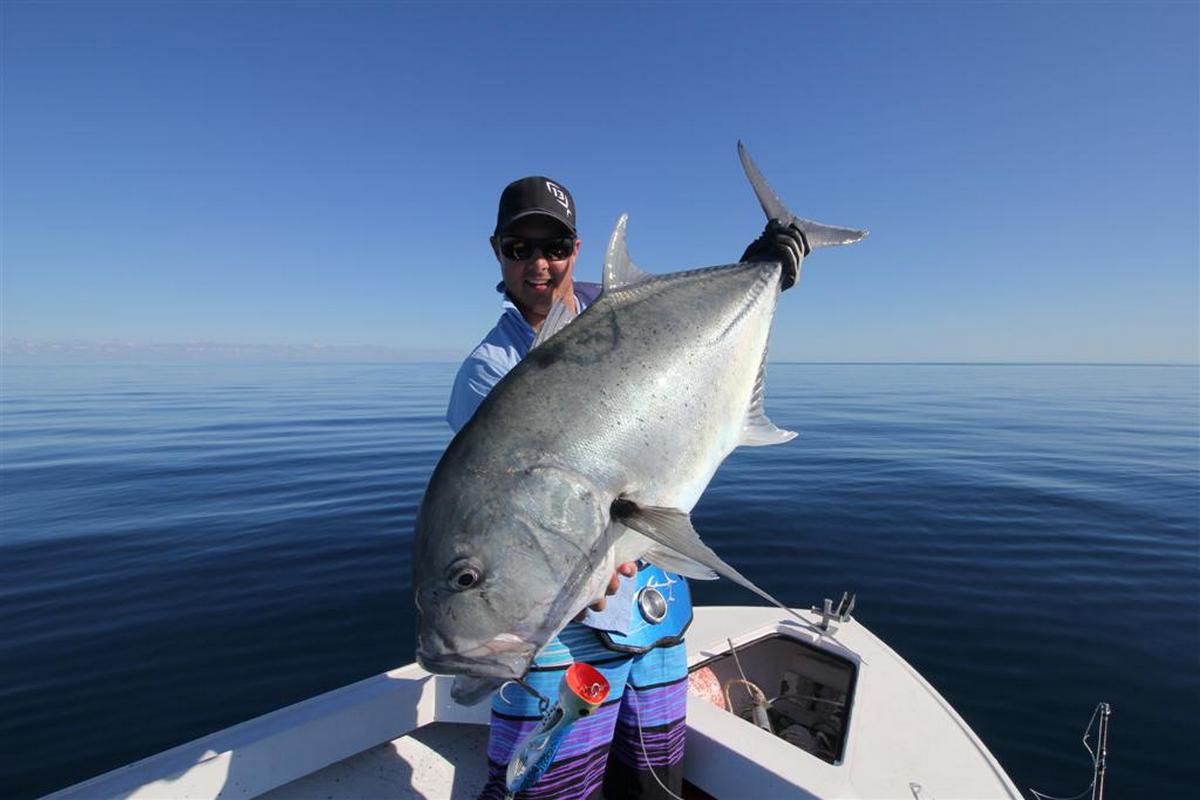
783 243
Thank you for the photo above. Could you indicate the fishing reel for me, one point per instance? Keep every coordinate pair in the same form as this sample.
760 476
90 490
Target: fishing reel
581 692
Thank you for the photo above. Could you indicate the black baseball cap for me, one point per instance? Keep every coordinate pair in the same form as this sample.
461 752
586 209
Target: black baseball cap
536 194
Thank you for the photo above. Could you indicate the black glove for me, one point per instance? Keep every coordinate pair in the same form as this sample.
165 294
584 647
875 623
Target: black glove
783 243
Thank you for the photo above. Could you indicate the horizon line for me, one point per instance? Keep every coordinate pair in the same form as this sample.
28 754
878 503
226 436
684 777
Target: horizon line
81 351
67 360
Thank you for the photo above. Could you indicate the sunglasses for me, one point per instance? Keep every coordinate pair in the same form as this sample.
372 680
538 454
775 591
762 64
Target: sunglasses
519 248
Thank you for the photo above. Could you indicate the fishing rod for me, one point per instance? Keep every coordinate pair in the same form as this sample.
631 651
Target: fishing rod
1099 756
1101 762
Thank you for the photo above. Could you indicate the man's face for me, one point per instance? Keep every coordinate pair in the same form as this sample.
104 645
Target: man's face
531 275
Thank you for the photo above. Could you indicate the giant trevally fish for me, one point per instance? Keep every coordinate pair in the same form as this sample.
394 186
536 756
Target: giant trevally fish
592 452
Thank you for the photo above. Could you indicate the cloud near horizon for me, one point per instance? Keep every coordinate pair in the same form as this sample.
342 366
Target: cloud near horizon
81 349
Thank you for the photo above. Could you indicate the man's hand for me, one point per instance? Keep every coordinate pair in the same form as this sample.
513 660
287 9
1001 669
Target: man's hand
782 243
628 569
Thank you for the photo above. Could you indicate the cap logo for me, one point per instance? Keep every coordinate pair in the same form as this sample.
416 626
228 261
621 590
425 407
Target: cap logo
559 195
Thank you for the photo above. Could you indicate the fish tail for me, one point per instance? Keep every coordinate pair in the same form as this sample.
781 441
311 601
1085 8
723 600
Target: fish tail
816 234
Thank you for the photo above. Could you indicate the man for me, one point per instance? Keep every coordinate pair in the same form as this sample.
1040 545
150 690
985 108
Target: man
536 245
633 745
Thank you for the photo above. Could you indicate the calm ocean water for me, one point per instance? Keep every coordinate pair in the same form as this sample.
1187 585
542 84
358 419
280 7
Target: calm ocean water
185 547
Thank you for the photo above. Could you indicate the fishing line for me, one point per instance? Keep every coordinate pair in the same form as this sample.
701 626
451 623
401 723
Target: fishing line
1095 763
638 711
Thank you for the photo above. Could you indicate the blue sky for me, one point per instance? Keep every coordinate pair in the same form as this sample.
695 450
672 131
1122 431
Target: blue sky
271 173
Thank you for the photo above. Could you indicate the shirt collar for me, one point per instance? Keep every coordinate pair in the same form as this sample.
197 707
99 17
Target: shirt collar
515 317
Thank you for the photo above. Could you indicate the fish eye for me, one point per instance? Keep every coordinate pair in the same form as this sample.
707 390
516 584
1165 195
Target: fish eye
462 576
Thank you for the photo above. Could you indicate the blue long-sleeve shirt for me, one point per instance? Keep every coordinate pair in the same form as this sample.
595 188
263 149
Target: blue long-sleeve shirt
501 350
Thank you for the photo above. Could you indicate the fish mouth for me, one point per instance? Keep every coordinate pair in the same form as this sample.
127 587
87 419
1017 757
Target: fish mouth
504 656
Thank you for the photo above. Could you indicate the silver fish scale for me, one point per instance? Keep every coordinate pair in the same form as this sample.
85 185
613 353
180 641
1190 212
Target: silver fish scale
647 391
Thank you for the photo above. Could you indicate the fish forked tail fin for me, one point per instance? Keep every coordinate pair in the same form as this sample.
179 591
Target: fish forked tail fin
816 234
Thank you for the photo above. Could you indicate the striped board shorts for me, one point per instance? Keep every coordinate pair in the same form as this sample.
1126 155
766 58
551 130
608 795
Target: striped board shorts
623 750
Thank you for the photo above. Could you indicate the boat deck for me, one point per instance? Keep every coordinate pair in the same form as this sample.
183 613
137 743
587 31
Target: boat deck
400 735
444 759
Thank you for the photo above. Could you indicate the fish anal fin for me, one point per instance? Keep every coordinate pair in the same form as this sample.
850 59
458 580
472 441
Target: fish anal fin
760 431
672 528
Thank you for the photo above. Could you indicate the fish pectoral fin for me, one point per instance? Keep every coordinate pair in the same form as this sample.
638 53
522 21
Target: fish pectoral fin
672 561
619 269
673 529
558 318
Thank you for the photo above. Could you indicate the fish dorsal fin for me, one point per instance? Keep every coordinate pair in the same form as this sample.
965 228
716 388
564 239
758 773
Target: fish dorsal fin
619 269
760 431
673 529
816 234
559 317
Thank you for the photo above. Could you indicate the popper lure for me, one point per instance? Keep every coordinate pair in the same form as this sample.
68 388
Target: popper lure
581 692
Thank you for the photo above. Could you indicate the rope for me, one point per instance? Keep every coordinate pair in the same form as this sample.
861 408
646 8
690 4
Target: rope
756 694
737 660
